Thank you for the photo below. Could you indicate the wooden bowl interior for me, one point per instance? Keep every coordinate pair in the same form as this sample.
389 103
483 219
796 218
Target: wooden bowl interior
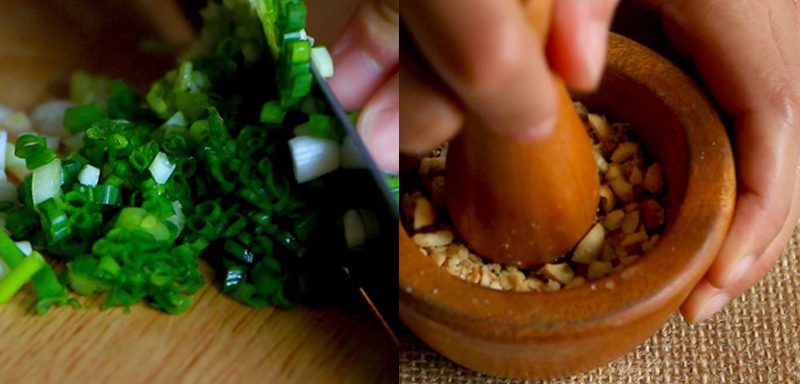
653 124
545 334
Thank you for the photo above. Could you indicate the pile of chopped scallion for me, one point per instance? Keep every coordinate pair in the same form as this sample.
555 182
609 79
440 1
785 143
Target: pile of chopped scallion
228 157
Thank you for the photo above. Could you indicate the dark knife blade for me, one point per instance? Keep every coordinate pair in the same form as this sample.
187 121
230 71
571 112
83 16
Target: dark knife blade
372 267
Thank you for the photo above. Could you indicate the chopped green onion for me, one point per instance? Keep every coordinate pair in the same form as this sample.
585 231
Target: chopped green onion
3 142
86 88
19 275
48 118
161 168
74 142
16 123
14 164
178 218
322 60
354 232
80 118
359 226
89 175
25 247
177 120
105 194
53 143
55 221
272 112
313 157
46 182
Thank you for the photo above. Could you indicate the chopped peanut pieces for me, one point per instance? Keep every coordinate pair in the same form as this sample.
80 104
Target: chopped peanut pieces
613 220
634 239
552 286
628 221
614 172
423 213
590 246
624 152
576 282
430 165
636 177
600 126
558 272
654 179
652 214
607 199
622 189
435 239
599 160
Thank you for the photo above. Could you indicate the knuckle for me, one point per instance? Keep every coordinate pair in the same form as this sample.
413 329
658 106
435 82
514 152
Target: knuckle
784 103
380 23
492 61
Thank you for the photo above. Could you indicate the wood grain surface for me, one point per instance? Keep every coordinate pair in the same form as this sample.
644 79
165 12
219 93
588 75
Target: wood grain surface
218 340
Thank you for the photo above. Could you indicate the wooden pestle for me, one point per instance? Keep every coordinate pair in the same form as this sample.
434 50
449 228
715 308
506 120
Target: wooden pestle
523 204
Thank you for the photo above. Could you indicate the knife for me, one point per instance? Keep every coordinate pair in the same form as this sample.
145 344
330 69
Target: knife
373 215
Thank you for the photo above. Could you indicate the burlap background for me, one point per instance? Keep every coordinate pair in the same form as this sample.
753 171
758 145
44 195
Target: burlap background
756 339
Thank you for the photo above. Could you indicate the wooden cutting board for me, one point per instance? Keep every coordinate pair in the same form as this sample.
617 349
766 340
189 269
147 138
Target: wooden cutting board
218 340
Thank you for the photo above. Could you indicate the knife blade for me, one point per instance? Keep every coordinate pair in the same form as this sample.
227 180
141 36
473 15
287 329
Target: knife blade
372 266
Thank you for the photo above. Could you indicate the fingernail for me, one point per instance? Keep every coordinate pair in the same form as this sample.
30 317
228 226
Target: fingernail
711 307
355 77
738 270
380 130
344 42
595 45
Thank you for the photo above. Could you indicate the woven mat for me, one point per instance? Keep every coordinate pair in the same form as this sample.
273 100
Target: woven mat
756 339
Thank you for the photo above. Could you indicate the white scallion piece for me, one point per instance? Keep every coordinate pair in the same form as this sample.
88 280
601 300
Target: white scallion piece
322 60
53 142
14 164
5 112
17 123
359 226
176 120
3 142
299 35
354 233
48 118
178 218
302 130
351 158
46 183
25 247
74 142
8 192
89 176
313 157
161 168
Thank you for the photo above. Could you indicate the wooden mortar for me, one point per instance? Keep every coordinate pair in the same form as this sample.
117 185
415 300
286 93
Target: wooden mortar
524 203
534 335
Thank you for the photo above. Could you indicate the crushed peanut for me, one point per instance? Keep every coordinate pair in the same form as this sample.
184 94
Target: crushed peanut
627 226
423 213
